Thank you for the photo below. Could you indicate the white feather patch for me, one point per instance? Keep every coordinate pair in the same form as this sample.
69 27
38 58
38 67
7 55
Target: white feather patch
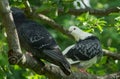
67 49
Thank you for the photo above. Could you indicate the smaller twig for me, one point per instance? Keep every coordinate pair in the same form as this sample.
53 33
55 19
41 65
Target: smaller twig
52 23
111 54
28 9
27 5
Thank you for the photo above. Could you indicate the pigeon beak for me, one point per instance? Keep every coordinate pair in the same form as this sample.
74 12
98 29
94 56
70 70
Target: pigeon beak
69 32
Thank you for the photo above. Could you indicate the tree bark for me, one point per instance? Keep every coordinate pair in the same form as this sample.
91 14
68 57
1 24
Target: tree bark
52 71
97 12
9 25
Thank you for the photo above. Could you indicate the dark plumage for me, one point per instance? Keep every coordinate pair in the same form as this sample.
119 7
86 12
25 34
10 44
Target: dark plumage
36 39
85 49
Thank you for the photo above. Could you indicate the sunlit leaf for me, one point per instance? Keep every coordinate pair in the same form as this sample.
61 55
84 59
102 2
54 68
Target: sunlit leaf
100 28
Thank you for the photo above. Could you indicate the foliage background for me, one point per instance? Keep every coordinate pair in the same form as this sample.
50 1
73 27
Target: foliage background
107 28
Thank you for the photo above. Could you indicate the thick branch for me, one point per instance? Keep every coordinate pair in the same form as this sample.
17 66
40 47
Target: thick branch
9 25
78 12
92 11
51 71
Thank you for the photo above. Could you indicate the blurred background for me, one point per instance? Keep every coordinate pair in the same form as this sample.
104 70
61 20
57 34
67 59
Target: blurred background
105 27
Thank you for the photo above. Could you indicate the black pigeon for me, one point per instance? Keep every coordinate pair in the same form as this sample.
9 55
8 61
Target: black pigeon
36 39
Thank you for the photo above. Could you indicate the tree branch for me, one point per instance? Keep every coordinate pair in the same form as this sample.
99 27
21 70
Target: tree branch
114 55
110 76
78 12
44 18
52 23
27 5
12 36
51 71
93 11
28 8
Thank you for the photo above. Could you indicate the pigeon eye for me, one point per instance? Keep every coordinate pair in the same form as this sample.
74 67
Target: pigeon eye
74 28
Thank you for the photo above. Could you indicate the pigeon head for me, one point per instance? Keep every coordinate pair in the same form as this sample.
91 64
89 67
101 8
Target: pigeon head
17 13
74 30
77 33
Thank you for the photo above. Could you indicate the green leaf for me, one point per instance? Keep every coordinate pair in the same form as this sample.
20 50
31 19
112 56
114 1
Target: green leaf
100 28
